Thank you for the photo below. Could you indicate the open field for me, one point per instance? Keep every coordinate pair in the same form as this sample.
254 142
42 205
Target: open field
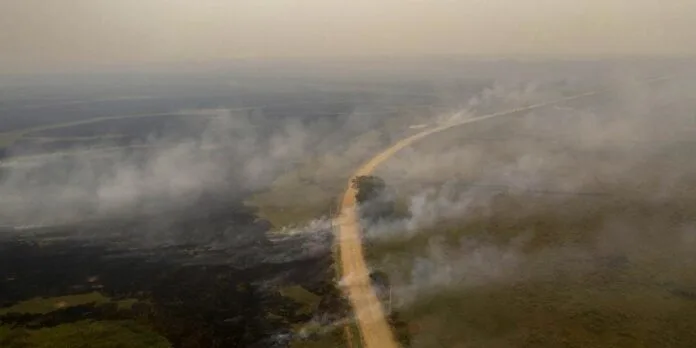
119 333
197 211
46 305
547 230
544 272
194 270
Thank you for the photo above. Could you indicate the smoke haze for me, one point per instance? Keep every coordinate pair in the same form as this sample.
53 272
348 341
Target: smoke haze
38 35
571 189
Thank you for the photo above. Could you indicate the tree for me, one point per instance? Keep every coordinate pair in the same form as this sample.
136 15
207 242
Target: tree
368 187
371 195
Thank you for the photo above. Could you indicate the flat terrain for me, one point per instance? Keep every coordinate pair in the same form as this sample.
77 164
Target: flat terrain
165 208
212 290
565 227
191 268
368 309
195 209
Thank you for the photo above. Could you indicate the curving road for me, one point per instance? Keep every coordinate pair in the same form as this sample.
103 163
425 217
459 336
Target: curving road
369 314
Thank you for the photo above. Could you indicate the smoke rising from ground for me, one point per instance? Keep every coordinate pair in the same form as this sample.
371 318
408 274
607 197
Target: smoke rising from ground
235 153
551 149
166 171
605 178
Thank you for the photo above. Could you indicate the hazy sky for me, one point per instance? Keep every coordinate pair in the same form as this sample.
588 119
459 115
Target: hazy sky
60 34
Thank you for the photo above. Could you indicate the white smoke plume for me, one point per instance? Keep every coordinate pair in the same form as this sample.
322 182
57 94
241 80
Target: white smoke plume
605 157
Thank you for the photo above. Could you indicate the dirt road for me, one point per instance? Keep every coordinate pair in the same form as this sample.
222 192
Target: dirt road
370 316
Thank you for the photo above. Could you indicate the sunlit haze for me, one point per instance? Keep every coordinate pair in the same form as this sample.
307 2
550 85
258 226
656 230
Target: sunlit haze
44 35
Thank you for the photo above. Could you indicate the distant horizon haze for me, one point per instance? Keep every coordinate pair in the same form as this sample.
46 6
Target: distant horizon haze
69 35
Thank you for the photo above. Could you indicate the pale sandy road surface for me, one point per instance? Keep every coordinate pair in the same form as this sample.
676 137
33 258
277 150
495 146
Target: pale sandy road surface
368 311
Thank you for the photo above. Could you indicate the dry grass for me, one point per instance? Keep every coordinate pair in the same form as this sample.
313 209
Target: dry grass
613 273
46 305
538 267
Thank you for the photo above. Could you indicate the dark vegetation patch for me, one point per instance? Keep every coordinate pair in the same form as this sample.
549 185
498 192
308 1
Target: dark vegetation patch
204 285
99 334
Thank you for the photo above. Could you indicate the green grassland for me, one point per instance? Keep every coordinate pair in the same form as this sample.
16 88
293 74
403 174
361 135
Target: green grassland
46 305
605 292
308 300
573 313
42 305
84 334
